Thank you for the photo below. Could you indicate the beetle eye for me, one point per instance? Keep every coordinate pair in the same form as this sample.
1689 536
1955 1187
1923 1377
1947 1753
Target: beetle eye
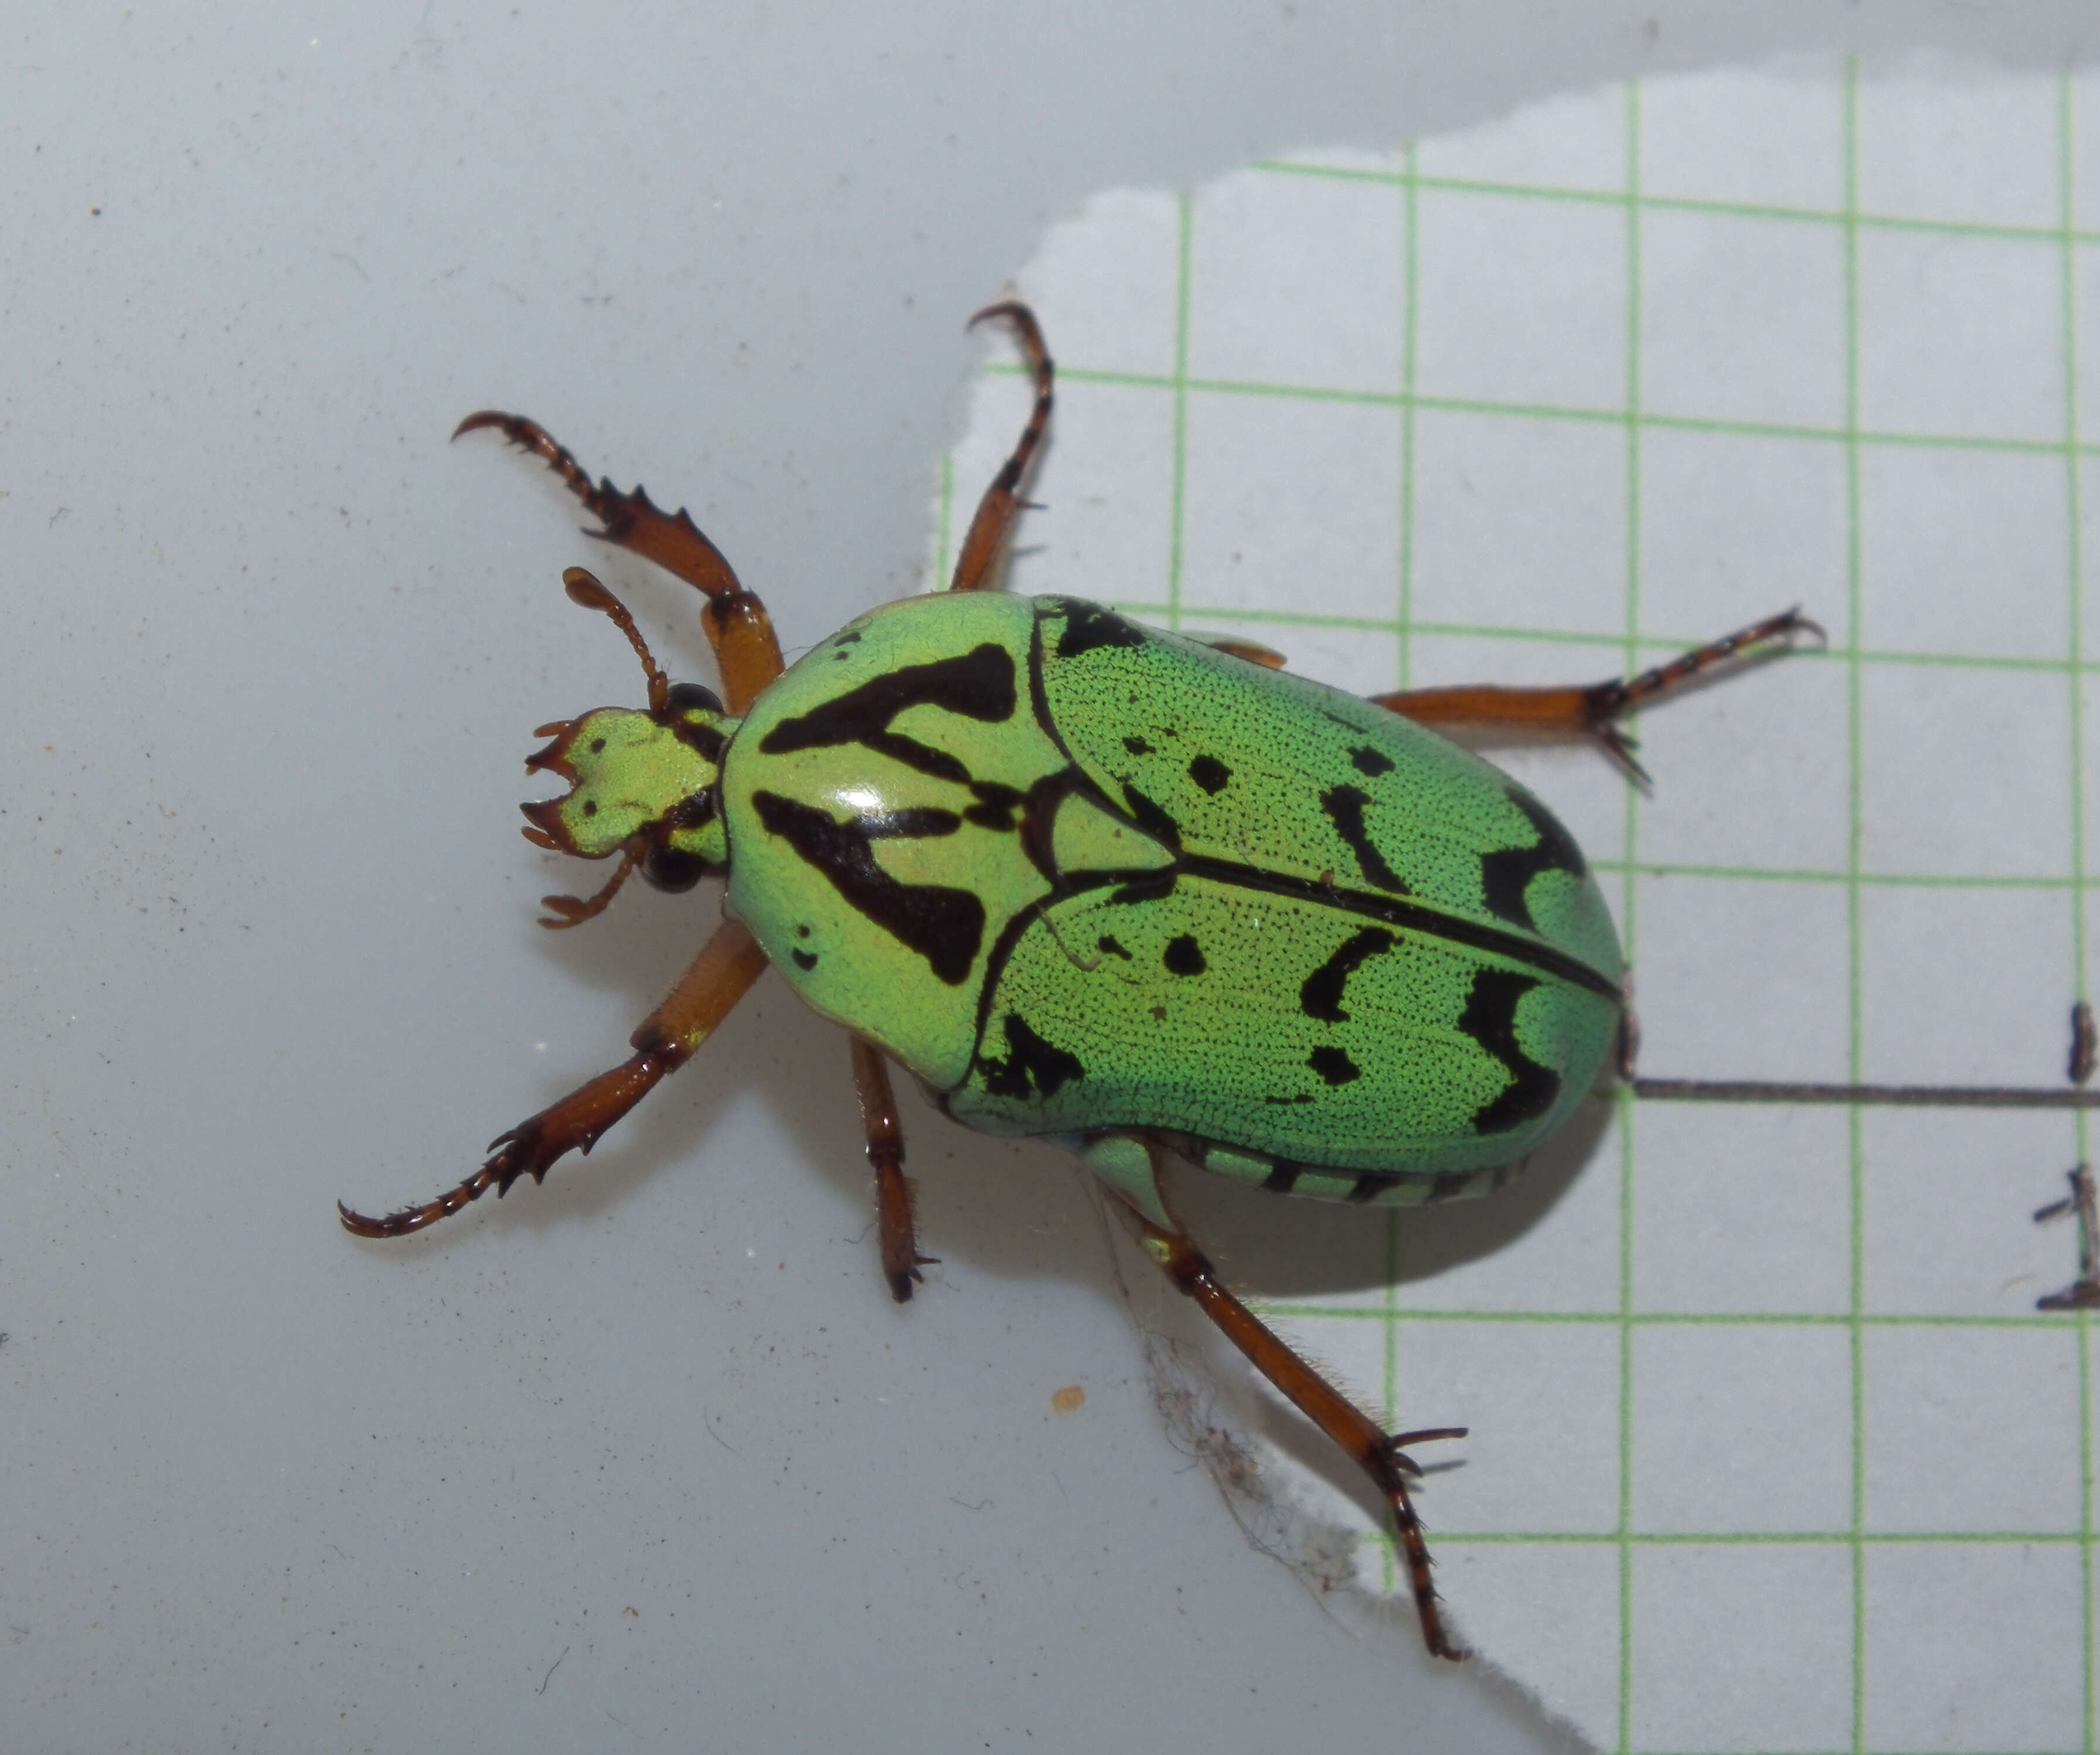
685 696
667 868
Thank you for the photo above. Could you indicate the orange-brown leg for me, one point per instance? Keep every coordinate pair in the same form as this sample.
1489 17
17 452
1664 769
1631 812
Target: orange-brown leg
1594 711
901 1259
978 562
1252 651
737 626
727 965
1380 1456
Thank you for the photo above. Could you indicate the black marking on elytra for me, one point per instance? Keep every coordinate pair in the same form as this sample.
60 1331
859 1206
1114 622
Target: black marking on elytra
1147 886
1282 1179
802 932
1150 818
944 926
1321 997
851 637
1137 746
1370 1186
803 960
1448 1185
1334 1064
1184 956
1031 1065
1410 916
1344 806
1507 873
1302 1096
1088 628
1039 819
1490 1020
1108 945
1371 761
978 684
995 805
1210 773
914 822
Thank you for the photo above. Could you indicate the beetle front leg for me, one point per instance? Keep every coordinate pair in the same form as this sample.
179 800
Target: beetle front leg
1596 710
738 630
901 1259
1380 1455
727 965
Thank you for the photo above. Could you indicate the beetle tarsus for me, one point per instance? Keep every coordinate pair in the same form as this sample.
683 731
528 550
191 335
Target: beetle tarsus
573 911
1597 712
977 563
533 1145
1381 1455
901 1259
617 511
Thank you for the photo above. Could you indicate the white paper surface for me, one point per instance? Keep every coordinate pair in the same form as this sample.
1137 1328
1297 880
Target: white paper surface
1769 1448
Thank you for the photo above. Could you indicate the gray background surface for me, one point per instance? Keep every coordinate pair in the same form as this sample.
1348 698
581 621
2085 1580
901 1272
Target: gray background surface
273 653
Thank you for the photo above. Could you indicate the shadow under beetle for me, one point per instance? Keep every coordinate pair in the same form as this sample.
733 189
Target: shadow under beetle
1131 891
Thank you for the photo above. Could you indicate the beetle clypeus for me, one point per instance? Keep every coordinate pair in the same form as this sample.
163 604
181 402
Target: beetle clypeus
1130 891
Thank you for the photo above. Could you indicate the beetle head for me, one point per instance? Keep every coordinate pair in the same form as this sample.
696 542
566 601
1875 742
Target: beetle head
642 783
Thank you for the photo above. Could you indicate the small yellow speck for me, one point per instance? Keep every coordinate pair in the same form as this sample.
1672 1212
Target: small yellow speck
1067 1398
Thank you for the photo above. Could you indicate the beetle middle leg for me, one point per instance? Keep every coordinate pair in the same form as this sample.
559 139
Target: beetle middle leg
1381 1455
727 965
901 1259
1597 710
738 630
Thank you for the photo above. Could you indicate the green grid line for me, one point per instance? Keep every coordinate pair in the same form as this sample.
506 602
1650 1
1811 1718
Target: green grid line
1835 653
1840 218
1958 881
1500 408
1859 883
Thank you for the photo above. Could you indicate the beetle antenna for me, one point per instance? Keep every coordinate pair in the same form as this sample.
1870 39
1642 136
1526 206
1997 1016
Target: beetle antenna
573 911
585 588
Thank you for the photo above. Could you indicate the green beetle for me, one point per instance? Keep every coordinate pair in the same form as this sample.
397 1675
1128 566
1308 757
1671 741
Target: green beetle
1127 890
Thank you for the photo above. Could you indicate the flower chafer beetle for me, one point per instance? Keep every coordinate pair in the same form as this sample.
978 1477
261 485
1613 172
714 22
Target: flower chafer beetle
1132 892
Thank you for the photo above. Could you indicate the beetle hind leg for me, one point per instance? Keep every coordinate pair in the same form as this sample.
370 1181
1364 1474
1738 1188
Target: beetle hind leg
901 1259
1382 1456
1597 711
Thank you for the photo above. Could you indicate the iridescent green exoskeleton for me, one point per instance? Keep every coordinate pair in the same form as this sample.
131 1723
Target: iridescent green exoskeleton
1131 891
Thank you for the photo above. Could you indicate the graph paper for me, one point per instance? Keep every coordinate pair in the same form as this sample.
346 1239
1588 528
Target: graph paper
1770 1448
